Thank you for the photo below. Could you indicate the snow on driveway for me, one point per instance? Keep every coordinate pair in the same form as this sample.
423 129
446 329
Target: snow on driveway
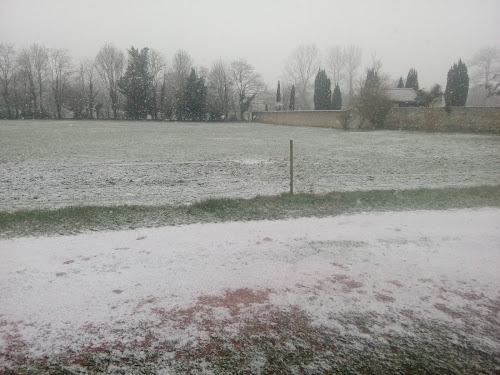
185 285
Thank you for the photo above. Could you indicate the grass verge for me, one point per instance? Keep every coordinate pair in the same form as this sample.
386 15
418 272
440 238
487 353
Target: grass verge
77 219
286 344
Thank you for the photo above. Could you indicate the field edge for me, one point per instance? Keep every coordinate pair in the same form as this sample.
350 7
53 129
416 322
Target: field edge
78 219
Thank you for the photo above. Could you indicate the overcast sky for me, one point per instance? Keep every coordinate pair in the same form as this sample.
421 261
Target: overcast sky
428 35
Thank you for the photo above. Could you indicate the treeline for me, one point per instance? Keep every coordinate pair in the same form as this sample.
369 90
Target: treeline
39 83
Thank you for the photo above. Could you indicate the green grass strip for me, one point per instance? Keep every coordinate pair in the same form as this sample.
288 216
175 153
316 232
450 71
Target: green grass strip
72 220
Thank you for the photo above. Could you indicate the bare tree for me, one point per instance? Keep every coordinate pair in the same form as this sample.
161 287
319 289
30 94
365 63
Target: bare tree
60 72
352 62
301 67
485 64
285 94
87 78
35 63
373 101
17 93
157 66
181 67
110 64
166 100
7 73
248 84
75 96
336 64
40 60
182 64
220 90
27 82
493 86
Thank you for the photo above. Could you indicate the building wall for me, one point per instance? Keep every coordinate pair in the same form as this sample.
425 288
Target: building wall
466 119
324 119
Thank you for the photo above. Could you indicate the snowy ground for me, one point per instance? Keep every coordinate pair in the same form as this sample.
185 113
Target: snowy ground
181 298
48 164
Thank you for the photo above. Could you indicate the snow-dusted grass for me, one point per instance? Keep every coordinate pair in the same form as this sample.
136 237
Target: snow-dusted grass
406 292
71 220
54 164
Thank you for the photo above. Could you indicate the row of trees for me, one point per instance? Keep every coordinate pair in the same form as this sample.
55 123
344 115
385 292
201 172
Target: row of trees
38 82
323 97
343 63
480 88
303 64
290 105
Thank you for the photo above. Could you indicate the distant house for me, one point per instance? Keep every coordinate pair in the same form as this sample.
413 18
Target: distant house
403 97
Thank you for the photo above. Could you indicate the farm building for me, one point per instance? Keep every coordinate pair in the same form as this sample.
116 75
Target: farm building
403 97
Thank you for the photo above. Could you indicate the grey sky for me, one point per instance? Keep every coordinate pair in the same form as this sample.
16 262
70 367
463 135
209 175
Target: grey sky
426 35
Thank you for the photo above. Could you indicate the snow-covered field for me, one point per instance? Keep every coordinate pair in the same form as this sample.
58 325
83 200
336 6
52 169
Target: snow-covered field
61 163
178 299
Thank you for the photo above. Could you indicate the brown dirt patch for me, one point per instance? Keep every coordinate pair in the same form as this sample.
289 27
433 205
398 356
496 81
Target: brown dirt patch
347 283
141 238
470 296
69 262
145 302
233 299
338 265
118 291
202 313
395 282
454 314
408 313
383 298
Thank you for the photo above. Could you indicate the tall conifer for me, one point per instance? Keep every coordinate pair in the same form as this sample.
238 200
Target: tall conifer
372 81
137 85
457 85
322 91
195 96
292 99
412 80
336 98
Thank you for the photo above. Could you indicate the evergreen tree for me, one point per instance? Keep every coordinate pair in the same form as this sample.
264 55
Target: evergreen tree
336 98
374 104
400 83
292 99
137 85
412 80
372 81
195 98
457 85
278 93
428 98
322 91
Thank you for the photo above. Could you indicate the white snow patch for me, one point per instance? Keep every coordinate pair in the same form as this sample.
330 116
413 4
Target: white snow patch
122 288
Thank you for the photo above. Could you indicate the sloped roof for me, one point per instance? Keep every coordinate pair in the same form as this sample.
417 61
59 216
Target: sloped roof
402 95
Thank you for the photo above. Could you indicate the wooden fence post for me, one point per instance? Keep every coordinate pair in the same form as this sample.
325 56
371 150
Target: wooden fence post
291 167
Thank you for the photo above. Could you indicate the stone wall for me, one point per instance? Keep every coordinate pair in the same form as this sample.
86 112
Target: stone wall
462 119
467 119
324 119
